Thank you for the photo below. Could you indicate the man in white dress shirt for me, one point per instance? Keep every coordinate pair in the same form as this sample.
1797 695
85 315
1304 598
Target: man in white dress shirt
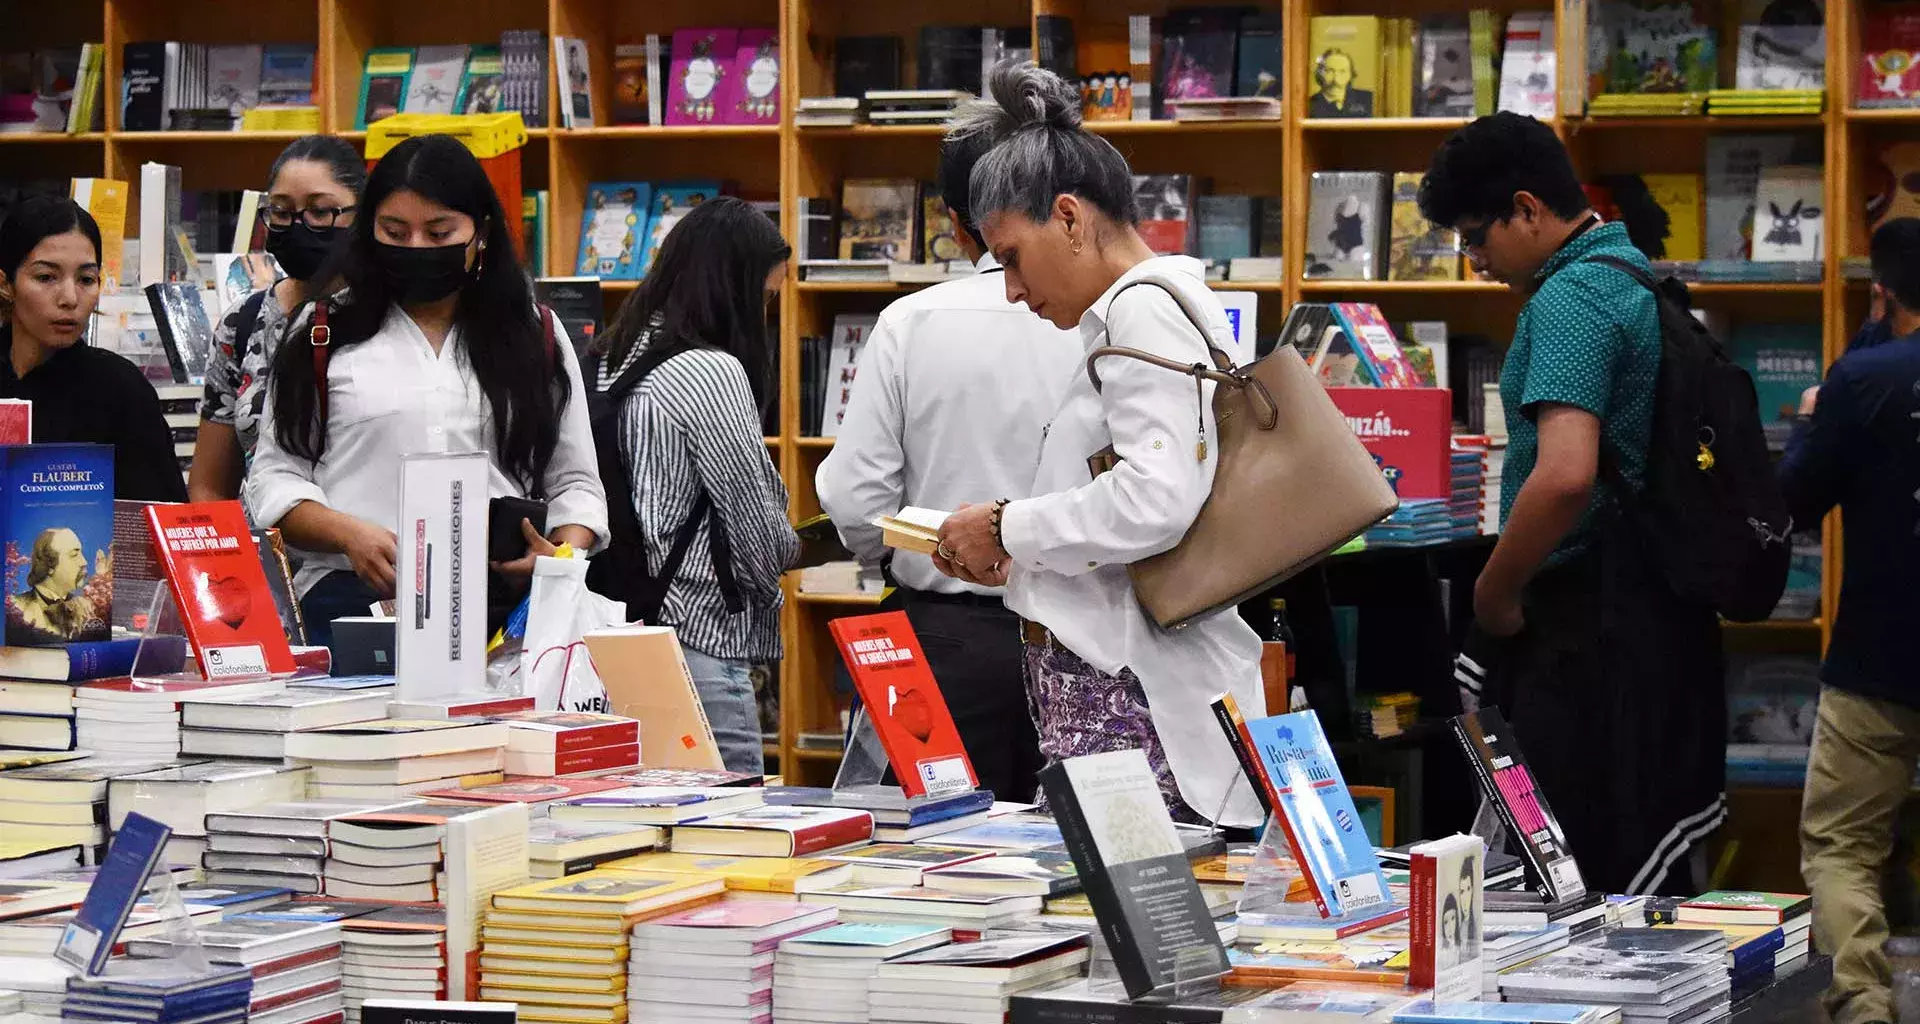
952 396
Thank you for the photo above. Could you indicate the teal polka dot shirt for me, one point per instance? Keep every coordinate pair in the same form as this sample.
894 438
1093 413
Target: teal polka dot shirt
1589 337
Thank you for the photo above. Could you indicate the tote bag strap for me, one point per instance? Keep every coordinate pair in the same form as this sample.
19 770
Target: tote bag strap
1223 372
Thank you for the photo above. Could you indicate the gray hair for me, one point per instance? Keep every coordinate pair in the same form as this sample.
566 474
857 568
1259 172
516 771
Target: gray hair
1040 150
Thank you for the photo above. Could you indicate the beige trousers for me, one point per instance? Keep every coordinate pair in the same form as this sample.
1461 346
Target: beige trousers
1858 774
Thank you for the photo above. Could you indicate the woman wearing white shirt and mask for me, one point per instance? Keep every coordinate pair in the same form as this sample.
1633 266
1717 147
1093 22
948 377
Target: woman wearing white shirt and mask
435 345
1056 206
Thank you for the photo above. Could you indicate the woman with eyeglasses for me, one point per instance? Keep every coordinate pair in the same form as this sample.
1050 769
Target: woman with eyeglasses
312 193
434 344
49 287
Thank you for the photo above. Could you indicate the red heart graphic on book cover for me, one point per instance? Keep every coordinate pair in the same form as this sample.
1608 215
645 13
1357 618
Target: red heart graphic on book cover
229 600
910 710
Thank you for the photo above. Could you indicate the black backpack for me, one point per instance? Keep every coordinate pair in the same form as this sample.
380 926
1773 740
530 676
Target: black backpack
1711 514
621 571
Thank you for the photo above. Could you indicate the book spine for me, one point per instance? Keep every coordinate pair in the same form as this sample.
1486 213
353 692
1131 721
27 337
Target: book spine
812 840
1421 940
575 762
1140 57
100 659
612 734
1225 712
1116 927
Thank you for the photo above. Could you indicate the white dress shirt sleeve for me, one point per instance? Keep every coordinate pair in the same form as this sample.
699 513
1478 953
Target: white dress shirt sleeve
278 480
1156 417
575 496
865 474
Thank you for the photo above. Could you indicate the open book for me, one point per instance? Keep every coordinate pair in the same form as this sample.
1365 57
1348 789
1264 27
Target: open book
912 529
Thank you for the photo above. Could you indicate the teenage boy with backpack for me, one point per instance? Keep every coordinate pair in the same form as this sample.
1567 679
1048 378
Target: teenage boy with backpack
1861 452
1611 682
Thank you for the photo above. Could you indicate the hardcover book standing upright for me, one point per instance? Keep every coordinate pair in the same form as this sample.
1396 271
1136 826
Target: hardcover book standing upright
902 700
756 78
1315 810
57 504
90 937
613 225
670 204
440 636
1509 786
1134 870
1446 879
702 63
214 571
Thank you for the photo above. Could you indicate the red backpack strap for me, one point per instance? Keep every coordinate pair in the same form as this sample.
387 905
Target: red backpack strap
546 323
320 339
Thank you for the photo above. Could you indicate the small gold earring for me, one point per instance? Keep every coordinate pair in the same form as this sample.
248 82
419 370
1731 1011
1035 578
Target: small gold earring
1075 248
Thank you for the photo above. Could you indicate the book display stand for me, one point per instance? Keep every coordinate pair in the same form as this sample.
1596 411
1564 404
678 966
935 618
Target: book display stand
163 642
178 930
1192 974
863 764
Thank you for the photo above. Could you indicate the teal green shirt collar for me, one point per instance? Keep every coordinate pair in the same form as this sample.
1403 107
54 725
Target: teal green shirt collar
1590 241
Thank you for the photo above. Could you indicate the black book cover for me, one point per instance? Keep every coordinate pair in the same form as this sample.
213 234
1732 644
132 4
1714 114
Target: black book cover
1196 56
423 1011
950 57
1134 869
1053 47
1509 785
861 63
576 302
143 72
1256 67
185 331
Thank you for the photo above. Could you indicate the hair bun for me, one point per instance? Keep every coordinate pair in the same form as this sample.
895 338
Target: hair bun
1032 96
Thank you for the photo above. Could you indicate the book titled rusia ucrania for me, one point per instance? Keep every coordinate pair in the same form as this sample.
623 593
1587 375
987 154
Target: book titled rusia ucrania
1314 808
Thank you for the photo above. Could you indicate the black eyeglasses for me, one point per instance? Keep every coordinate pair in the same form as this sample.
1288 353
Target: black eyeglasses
1475 237
319 218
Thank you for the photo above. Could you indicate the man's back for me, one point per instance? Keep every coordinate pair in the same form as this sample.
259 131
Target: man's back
954 391
1862 453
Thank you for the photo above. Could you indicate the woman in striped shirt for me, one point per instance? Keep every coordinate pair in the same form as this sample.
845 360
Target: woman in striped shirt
695 337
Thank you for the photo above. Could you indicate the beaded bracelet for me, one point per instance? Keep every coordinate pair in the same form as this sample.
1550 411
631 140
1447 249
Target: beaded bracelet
999 507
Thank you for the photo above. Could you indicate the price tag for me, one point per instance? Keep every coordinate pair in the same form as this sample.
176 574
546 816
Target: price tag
229 662
945 776
1564 874
77 946
1357 892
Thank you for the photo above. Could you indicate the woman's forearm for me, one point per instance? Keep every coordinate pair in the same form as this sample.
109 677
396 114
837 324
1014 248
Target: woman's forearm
579 536
312 526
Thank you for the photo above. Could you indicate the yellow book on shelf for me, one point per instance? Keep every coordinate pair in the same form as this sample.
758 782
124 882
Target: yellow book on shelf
1408 79
741 874
603 893
106 200
1679 195
1346 66
281 119
1417 250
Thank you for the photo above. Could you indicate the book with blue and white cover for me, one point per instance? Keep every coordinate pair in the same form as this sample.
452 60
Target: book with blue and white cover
89 938
1312 804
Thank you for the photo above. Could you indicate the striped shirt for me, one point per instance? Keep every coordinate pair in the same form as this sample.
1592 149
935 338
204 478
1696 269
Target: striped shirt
692 423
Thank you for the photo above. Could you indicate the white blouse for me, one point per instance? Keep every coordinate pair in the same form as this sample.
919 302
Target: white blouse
391 395
1072 544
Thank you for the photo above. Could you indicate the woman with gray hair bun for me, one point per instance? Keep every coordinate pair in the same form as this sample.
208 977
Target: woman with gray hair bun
1056 205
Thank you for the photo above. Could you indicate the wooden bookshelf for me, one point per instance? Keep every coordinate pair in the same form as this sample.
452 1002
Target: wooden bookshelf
1259 157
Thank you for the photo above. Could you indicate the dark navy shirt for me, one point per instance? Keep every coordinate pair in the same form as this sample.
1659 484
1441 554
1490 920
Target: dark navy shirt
1861 452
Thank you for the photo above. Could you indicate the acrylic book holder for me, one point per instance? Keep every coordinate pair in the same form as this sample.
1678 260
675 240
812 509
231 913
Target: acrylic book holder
166 654
864 764
1273 874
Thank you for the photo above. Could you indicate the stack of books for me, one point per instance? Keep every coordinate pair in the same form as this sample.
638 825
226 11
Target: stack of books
60 804
559 848
393 951
1508 946
181 798
774 831
829 112
1390 714
762 878
656 805
729 946
552 743
1766 102
912 106
971 977
824 975
902 863
1656 985
295 965
1767 933
41 982
969 915
898 818
257 727
120 716
1647 104
161 992
580 923
1522 908
395 758
283 845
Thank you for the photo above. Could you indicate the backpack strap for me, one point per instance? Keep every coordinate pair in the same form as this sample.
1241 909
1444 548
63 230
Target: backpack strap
320 340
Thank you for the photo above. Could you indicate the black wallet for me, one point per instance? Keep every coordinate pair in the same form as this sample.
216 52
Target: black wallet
505 542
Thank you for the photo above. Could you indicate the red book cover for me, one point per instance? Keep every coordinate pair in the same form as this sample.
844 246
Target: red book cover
288 998
488 707
214 572
1420 950
1409 433
563 732
593 759
1888 74
809 829
903 701
288 963
16 421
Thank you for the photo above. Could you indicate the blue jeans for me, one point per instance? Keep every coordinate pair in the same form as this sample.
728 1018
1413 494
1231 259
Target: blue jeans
726 692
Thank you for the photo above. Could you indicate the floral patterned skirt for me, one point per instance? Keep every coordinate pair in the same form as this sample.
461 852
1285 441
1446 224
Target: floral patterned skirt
1078 710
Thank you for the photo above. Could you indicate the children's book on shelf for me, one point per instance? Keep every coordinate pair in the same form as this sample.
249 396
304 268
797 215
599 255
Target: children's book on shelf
482 84
877 219
1316 813
1166 204
1782 46
699 85
1446 878
286 74
383 85
671 202
1508 785
1788 221
1344 221
1408 431
1418 249
1374 342
1662 212
1197 50
1888 76
1732 177
574 72
1345 74
435 84
1134 869
58 508
938 241
755 78
903 701
1527 70
1652 48
1784 360
1106 82
1895 167
613 226
630 93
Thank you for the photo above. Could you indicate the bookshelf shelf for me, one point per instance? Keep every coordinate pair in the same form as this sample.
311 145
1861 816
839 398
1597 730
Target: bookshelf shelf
50 138
1261 126
857 287
1883 114
235 137
1697 122
1318 288
900 131
770 132
1701 289
1381 124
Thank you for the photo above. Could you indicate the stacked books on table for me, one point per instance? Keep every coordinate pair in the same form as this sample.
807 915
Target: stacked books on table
1765 102
1646 104
559 848
971 981
122 717
1428 1012
183 797
1634 970
558 743
258 726
898 818
558 947
395 758
728 947
61 804
285 845
295 965
823 976
1508 946
161 992
393 951
1768 934
40 981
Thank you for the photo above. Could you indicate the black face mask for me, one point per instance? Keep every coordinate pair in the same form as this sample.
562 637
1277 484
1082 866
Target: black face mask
415 275
301 250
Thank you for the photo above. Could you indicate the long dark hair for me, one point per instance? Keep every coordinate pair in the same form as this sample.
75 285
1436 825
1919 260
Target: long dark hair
708 286
31 221
504 342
